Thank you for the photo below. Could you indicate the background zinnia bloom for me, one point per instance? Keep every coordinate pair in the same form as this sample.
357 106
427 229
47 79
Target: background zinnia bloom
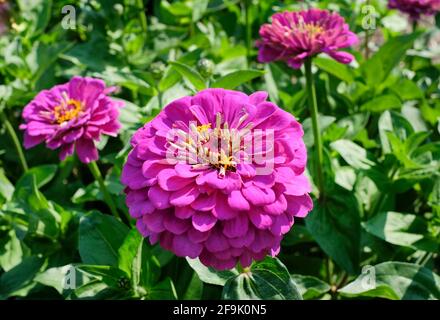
294 36
222 212
416 8
72 116
4 16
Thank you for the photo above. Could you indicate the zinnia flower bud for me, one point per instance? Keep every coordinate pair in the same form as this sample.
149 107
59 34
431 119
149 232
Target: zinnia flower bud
157 69
219 176
205 67
294 36
416 8
72 116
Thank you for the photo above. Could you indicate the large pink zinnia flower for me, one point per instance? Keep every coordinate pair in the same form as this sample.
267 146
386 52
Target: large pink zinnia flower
72 116
294 36
225 185
416 8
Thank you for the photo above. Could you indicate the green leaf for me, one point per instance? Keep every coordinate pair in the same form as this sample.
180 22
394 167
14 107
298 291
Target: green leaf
353 154
43 175
310 287
42 215
407 90
324 123
56 278
6 187
198 9
339 70
189 73
19 280
74 277
137 261
92 192
236 78
162 291
268 280
271 84
36 13
171 76
111 276
194 290
382 103
11 251
100 237
42 57
395 281
298 234
402 229
388 56
396 123
210 275
91 290
335 225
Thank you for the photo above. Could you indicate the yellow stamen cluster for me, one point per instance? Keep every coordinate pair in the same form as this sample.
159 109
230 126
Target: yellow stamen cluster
67 110
204 127
311 29
212 147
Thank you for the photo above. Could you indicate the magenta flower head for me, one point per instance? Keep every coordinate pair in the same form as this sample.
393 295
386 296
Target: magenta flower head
219 176
72 116
294 36
416 8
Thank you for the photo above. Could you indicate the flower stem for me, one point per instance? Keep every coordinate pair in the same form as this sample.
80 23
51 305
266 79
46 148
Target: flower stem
142 17
108 199
15 140
366 45
247 5
313 105
367 39
414 25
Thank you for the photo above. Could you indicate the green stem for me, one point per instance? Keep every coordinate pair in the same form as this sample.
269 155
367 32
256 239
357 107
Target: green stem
108 199
319 159
15 140
142 17
424 259
248 32
366 44
329 271
367 39
414 25
159 99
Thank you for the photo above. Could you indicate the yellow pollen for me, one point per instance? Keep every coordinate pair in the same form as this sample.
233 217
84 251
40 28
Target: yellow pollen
67 110
310 28
203 127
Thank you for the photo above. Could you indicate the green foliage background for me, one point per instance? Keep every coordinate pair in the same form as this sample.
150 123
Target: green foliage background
380 120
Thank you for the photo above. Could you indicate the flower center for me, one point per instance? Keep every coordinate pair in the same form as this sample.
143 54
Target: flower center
67 110
217 148
310 28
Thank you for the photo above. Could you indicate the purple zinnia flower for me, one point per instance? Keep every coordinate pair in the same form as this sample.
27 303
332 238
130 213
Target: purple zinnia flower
219 176
72 116
416 8
294 36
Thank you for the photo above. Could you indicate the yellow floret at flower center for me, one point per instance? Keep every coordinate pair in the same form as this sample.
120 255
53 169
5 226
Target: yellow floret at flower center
67 110
310 28
204 127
